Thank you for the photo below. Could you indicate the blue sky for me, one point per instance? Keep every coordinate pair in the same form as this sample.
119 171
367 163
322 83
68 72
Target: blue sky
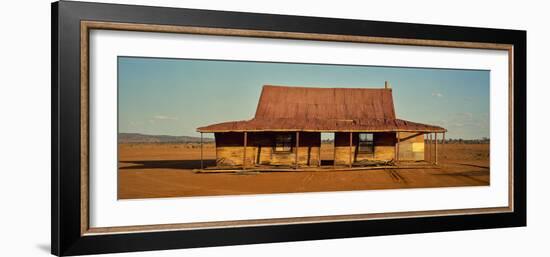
175 96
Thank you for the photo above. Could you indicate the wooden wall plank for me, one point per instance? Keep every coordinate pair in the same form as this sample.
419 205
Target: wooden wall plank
259 149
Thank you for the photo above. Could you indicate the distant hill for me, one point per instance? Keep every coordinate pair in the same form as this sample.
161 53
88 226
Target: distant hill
143 138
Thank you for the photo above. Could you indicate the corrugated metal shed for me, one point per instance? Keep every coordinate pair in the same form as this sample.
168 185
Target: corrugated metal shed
283 108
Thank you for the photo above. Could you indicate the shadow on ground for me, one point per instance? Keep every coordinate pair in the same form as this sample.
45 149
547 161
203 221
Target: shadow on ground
472 175
167 164
180 164
471 165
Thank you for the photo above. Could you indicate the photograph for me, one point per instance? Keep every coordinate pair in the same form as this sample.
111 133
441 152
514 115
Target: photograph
178 127
202 127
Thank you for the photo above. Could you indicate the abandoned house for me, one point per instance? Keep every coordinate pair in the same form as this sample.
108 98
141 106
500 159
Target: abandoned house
286 130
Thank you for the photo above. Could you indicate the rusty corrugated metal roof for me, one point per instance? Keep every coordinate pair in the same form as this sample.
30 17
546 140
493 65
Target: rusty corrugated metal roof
302 103
283 108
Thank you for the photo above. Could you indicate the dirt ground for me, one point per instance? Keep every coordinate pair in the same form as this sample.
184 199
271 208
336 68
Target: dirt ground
166 170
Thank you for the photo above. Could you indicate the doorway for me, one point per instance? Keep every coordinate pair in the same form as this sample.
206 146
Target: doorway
327 149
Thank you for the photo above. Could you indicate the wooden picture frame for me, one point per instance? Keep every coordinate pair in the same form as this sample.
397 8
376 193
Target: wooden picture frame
71 23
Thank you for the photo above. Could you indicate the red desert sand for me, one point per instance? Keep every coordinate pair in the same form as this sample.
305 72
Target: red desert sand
169 170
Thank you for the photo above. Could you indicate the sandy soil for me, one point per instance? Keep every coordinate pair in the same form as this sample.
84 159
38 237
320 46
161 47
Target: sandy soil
166 170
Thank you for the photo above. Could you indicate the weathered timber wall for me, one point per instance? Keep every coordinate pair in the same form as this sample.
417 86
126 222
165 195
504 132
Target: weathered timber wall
229 149
384 147
260 149
411 146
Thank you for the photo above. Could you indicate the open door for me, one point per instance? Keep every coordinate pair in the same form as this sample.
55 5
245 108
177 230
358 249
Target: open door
327 149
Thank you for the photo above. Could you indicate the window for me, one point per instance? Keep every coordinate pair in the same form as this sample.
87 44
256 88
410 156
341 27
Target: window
366 143
283 143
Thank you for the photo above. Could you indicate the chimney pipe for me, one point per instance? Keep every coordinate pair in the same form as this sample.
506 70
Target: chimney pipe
387 85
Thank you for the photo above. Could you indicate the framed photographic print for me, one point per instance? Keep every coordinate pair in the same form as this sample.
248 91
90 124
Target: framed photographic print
178 128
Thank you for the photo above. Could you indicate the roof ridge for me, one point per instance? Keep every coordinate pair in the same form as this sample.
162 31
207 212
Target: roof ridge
320 87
